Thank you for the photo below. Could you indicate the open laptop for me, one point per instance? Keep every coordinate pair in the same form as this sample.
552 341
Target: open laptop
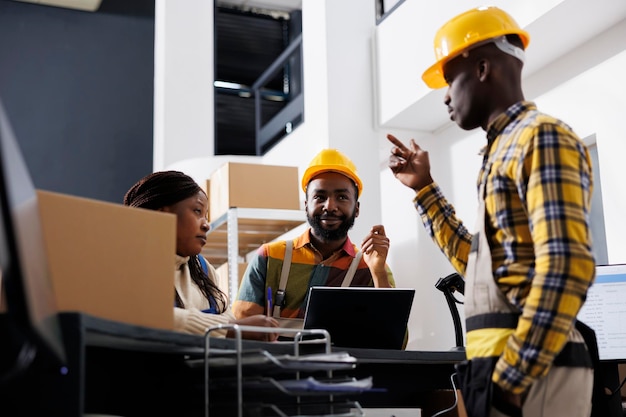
360 317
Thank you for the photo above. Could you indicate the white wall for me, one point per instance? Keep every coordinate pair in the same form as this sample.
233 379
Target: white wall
354 96
600 110
183 81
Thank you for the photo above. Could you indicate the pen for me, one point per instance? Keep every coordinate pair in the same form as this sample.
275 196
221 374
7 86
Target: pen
269 301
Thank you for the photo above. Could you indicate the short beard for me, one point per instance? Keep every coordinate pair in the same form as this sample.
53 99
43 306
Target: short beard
337 234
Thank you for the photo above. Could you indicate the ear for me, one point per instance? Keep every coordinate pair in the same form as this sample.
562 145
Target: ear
483 69
357 209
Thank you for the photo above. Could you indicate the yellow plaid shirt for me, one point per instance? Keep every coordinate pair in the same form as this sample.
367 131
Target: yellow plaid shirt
537 199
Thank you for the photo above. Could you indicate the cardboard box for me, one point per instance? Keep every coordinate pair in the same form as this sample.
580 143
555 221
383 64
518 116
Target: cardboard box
253 186
110 260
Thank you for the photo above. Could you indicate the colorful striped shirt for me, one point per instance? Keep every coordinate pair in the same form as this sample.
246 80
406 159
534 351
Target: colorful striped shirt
538 196
307 269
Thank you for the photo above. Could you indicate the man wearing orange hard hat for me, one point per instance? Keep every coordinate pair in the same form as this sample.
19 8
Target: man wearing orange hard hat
528 263
323 255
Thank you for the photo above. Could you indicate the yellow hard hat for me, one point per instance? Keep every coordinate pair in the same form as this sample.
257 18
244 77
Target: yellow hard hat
466 30
331 160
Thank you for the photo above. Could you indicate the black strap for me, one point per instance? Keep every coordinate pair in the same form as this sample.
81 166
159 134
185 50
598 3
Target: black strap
600 400
492 321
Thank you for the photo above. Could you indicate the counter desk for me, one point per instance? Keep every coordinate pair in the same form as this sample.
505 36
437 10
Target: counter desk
121 369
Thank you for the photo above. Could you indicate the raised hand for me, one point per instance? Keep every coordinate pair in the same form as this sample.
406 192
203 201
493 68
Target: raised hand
410 166
375 247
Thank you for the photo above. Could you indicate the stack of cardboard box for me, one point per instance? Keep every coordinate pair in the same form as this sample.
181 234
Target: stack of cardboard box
252 186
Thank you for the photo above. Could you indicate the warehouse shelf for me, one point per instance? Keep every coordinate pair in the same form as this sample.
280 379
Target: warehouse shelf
240 231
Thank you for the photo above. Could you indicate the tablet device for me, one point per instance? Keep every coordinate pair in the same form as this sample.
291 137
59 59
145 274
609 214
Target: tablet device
360 317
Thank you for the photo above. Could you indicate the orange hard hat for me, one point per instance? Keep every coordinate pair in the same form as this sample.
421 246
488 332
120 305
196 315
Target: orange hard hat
331 160
466 30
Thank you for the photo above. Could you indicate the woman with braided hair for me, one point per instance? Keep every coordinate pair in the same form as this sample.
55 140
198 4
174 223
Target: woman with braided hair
198 302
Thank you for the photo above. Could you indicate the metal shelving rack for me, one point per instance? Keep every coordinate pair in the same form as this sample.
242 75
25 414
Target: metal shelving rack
273 392
242 230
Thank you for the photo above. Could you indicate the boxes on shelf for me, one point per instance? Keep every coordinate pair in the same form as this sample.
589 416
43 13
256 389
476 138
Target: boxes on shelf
109 260
247 185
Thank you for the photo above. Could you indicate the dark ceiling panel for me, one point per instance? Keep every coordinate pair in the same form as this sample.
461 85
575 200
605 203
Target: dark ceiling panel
246 44
234 123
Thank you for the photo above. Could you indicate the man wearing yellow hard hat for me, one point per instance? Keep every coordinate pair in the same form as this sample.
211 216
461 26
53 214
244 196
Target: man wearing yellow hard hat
529 263
323 255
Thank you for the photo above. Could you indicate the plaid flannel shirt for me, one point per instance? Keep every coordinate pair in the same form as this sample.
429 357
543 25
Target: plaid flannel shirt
537 199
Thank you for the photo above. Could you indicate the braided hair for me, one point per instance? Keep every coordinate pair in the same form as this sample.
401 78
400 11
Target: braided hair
165 188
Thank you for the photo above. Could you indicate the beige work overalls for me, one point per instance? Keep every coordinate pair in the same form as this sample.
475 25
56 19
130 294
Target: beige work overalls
567 388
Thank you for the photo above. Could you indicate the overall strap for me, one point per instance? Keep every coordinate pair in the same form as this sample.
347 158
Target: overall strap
212 303
284 277
483 297
347 280
203 264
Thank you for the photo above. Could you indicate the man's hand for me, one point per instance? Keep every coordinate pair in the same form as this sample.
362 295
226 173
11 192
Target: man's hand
375 248
410 166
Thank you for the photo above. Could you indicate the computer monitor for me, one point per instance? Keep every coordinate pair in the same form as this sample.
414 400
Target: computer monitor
605 311
29 296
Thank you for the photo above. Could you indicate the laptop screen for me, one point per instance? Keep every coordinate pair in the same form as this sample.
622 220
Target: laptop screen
360 317
29 296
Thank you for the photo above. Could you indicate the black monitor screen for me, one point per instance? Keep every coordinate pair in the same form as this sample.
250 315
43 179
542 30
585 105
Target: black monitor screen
30 301
605 311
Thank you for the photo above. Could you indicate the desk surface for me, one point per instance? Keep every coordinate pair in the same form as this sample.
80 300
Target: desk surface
407 379
112 369
120 358
110 334
411 379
